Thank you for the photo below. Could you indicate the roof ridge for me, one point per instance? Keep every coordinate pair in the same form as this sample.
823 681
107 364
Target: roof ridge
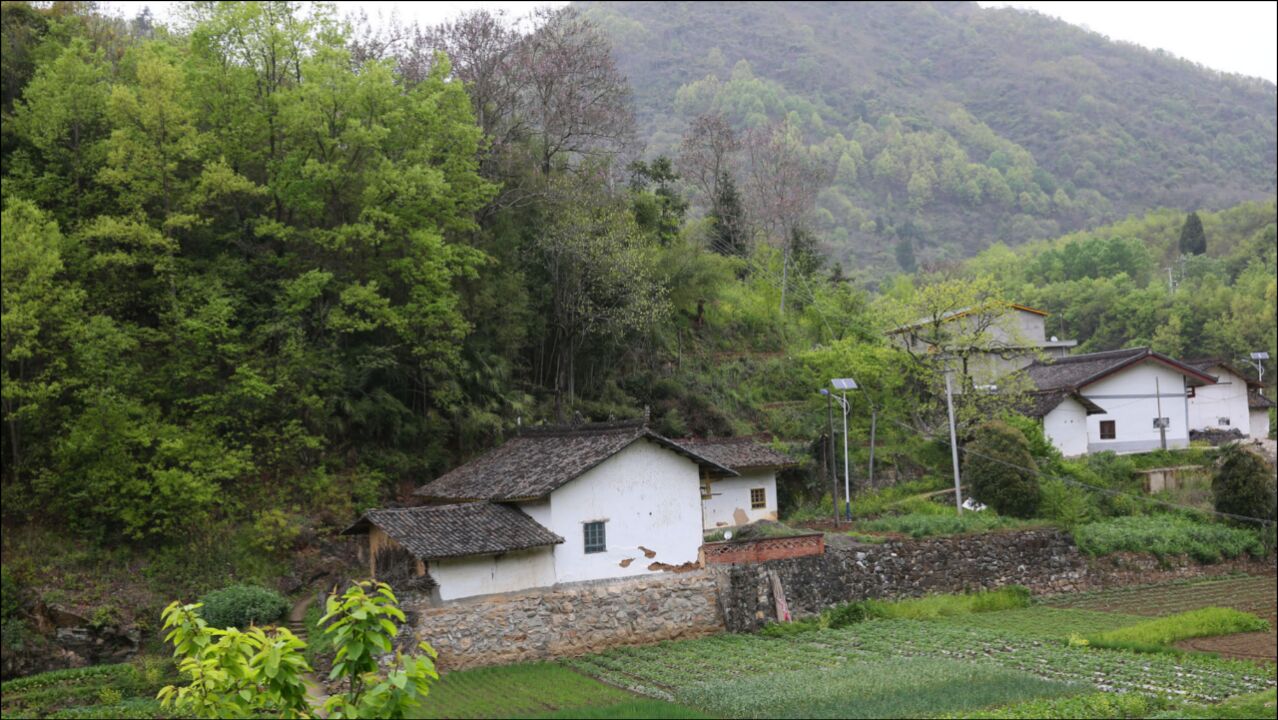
1099 355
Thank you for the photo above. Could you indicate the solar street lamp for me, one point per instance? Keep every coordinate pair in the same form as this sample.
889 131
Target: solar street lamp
844 385
1258 361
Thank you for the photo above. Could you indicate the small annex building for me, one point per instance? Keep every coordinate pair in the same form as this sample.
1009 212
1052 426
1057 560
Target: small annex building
1064 414
1133 388
550 505
1229 403
749 496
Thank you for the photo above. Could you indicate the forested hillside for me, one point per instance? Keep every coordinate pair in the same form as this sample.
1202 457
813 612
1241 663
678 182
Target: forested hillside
947 127
264 269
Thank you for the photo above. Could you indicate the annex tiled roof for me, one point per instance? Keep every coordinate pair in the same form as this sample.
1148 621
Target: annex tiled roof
1039 404
1076 371
1256 401
446 531
540 460
739 453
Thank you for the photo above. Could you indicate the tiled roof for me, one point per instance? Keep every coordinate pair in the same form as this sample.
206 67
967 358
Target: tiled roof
1256 401
1076 371
739 453
1206 364
446 531
1039 404
540 460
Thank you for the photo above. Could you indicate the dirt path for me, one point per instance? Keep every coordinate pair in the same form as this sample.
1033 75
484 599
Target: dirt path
297 624
1260 646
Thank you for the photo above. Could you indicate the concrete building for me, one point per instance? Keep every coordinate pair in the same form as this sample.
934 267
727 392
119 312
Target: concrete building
565 504
1010 337
1133 387
1226 405
750 496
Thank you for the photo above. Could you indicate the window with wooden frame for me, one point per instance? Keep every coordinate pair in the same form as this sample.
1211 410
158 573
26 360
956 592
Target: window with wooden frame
1191 392
595 539
1108 429
758 498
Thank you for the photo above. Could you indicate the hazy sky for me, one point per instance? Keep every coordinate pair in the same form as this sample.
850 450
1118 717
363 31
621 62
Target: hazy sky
1238 37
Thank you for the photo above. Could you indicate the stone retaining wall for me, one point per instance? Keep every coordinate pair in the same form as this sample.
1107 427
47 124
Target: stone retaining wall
568 620
571 620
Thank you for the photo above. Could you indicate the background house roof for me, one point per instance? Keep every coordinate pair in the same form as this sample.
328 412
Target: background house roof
1039 404
739 453
1206 364
539 460
446 531
1077 371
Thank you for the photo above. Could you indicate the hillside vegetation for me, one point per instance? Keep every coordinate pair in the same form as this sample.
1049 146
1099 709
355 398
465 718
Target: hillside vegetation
946 126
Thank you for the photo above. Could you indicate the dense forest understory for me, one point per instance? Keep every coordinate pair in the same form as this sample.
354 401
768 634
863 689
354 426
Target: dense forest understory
264 269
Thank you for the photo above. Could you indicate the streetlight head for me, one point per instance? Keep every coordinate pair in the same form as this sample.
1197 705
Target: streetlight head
823 391
843 383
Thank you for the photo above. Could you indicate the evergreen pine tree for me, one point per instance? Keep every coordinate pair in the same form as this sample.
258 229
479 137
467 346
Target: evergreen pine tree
729 231
1193 241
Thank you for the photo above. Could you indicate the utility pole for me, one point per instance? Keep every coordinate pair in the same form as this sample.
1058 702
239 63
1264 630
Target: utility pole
1162 426
829 456
847 482
949 403
874 420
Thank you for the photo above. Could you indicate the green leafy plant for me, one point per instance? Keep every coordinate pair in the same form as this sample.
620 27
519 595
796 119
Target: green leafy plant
1162 632
242 605
1001 471
1244 484
1165 535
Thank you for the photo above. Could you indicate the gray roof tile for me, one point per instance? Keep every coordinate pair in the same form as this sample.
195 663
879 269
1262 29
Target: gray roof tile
1076 371
739 453
445 531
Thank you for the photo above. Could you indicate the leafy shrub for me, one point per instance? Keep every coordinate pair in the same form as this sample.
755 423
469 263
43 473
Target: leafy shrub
240 606
1064 504
274 531
1166 535
1000 470
1204 622
1243 484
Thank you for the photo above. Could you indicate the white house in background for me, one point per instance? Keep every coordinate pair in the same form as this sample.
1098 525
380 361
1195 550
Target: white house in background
550 505
1064 416
1228 404
1133 387
1259 405
1015 336
751 495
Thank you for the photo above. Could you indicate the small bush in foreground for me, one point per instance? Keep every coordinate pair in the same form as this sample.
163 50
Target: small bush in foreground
1204 622
1243 484
1001 471
240 606
1167 535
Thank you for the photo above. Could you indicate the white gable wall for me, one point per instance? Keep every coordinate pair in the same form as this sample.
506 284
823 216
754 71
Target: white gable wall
1066 427
1129 400
647 495
1259 420
1226 399
729 501
487 574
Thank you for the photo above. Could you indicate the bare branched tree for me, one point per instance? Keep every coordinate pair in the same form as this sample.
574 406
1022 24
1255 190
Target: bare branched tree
707 154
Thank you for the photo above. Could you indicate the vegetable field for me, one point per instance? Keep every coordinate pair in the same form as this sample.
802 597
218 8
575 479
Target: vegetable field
1247 593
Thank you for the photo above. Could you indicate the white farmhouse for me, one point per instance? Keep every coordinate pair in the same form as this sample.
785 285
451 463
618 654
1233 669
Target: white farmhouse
1227 404
548 506
1064 416
1133 387
750 496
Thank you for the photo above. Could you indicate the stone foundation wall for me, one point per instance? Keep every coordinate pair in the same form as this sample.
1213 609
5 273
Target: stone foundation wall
568 620
571 620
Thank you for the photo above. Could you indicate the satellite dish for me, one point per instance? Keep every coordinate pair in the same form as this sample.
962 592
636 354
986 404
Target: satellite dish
727 534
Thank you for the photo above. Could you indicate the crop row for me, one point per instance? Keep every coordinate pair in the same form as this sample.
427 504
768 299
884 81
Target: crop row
1243 593
671 669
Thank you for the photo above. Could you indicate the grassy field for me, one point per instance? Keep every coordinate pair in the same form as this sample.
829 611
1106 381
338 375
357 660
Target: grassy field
1009 662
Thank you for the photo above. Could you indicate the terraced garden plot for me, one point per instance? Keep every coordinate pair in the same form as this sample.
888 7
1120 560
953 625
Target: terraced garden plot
680 671
514 690
1247 593
1045 622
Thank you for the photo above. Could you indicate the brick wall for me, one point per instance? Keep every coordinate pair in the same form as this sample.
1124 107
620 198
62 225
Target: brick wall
763 549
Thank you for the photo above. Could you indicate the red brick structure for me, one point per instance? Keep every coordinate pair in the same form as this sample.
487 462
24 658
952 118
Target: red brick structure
763 549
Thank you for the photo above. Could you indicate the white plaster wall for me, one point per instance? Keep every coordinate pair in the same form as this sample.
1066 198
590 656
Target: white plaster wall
487 574
729 501
1066 428
648 495
1259 420
1227 398
1128 398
